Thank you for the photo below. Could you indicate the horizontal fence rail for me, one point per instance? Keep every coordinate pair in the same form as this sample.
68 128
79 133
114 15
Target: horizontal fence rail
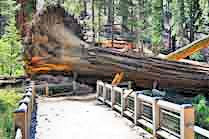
165 119
202 132
23 114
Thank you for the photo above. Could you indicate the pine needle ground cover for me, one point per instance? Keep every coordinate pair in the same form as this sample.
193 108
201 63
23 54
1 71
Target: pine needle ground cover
8 103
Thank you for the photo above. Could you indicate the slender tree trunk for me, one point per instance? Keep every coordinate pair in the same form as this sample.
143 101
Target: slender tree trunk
125 21
205 51
181 17
85 7
11 59
141 29
93 21
124 11
112 21
157 25
99 19
168 18
110 11
132 16
173 43
192 20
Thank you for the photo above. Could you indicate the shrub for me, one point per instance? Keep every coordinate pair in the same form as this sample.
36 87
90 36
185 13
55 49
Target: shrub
202 111
8 103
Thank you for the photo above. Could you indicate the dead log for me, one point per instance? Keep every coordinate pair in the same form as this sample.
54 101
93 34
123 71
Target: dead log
181 76
55 46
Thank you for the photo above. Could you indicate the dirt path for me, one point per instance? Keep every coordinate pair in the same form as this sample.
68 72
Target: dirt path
68 118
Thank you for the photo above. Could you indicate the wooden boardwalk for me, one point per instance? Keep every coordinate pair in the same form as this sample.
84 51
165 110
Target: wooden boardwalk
66 118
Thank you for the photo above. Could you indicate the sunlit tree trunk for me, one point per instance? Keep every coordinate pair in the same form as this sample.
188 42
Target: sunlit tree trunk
157 25
110 11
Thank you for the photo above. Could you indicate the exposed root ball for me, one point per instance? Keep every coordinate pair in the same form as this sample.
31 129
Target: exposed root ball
53 42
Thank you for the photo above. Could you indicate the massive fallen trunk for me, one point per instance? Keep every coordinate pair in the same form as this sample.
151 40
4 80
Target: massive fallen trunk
54 46
181 76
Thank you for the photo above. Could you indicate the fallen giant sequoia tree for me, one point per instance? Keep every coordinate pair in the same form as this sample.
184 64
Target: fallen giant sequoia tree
55 46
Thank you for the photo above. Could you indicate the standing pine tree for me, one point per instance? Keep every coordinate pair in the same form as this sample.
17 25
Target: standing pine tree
10 43
193 13
110 11
178 22
203 25
143 23
124 11
157 25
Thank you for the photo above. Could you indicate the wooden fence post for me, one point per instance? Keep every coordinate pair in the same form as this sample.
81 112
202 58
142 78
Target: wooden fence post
108 89
113 97
187 122
97 90
137 106
33 94
27 101
129 85
124 98
156 116
104 93
123 102
47 89
75 76
100 84
20 118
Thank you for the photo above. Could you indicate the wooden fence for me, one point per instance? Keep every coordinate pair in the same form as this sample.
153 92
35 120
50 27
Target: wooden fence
23 115
165 119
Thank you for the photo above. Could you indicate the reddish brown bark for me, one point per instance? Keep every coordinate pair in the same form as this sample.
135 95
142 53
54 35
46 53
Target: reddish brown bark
22 17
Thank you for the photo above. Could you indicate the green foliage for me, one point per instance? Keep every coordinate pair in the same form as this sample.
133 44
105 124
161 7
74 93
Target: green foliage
73 6
123 8
8 8
148 129
10 42
10 50
197 57
178 21
144 21
202 111
8 103
30 8
204 19
157 24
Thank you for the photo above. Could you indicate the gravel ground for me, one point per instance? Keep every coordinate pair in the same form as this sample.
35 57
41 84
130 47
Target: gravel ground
74 118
